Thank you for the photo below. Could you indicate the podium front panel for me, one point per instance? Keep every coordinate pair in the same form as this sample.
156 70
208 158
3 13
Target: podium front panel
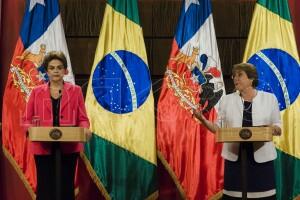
251 134
57 134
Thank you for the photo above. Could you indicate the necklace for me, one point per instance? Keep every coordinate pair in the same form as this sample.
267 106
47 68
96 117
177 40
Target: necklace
250 102
248 107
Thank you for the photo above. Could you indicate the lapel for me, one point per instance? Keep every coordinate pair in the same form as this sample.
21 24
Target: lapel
66 95
45 97
240 108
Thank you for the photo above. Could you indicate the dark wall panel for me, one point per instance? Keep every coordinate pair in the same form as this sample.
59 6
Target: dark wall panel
161 52
82 18
226 18
82 53
146 17
165 16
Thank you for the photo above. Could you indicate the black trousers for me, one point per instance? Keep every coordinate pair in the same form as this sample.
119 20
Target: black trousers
45 167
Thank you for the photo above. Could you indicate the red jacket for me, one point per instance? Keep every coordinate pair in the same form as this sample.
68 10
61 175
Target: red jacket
72 113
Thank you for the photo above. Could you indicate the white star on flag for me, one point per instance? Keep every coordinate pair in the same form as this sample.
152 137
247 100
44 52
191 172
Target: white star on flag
34 2
41 76
194 78
190 2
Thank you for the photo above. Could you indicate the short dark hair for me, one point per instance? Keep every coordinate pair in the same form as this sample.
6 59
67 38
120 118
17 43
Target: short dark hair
52 55
249 69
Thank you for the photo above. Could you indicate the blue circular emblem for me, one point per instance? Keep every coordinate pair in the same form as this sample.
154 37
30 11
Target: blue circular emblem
278 73
121 82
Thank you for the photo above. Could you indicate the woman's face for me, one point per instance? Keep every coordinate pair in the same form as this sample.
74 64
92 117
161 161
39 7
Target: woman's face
56 70
241 80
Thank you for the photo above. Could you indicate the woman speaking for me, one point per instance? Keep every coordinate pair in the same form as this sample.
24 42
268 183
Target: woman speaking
245 108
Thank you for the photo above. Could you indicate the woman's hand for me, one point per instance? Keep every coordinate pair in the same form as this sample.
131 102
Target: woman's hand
211 126
276 130
88 133
198 115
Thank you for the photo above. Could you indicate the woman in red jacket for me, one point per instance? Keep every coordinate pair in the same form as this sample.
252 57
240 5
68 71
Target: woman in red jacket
56 103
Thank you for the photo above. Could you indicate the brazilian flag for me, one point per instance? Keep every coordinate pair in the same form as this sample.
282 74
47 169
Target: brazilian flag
121 156
271 47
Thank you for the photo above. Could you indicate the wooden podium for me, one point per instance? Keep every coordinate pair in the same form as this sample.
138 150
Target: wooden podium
57 135
242 135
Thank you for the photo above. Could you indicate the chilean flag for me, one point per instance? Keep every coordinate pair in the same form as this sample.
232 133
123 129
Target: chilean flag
41 32
193 80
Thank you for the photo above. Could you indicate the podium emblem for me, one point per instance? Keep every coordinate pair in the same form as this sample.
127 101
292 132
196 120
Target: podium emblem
55 134
245 133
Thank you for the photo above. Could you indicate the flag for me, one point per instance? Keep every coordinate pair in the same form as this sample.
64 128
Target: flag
41 31
271 47
121 156
193 80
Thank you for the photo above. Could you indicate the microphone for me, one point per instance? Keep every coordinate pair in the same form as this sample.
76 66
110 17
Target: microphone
58 106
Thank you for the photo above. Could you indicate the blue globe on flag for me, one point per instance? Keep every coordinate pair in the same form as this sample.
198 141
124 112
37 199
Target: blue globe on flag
278 73
121 82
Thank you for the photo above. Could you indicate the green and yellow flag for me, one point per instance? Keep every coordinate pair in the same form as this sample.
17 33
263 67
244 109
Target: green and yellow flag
271 47
121 156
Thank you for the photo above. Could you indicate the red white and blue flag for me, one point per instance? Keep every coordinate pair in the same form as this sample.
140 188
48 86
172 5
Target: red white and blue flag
41 32
193 80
